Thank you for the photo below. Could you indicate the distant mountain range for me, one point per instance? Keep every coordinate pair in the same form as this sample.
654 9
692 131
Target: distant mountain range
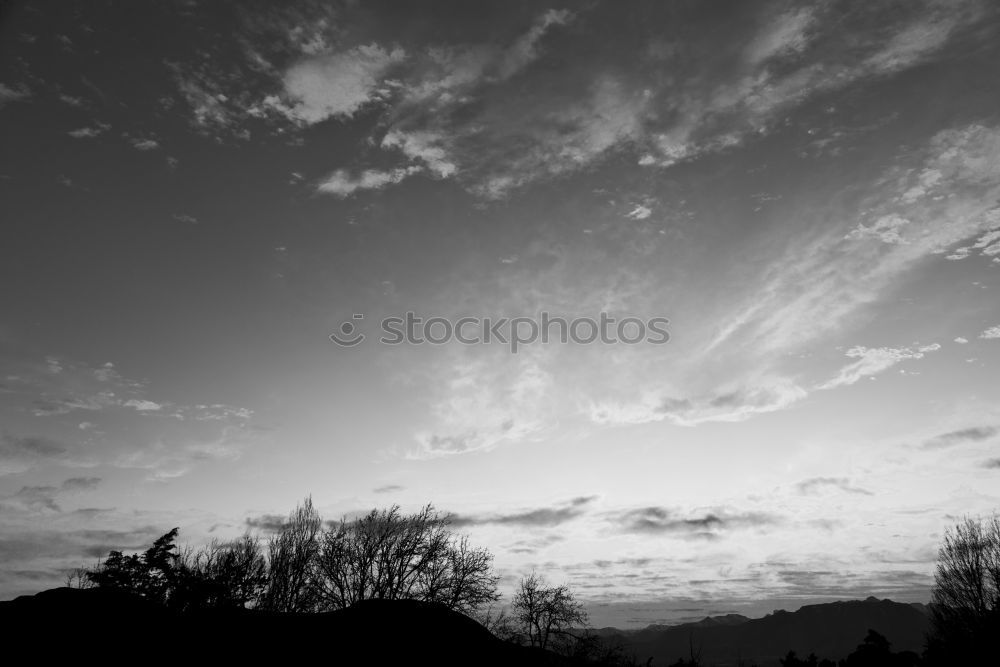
831 630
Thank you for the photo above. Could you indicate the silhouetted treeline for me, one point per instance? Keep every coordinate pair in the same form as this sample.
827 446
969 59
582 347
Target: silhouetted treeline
311 566
307 565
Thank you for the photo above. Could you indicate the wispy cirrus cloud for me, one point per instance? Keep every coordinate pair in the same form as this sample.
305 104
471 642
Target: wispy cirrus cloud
525 50
786 34
826 279
60 386
341 184
872 361
169 458
479 405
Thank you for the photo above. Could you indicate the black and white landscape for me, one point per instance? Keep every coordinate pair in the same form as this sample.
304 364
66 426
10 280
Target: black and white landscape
677 313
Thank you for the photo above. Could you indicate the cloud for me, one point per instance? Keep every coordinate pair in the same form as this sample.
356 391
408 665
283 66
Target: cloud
543 517
973 434
89 132
723 405
20 453
210 109
424 146
991 334
144 144
185 218
710 118
142 405
872 361
43 499
815 484
783 35
825 277
62 386
15 94
923 36
479 405
214 412
961 341
524 51
170 458
705 525
639 212
484 113
338 84
992 463
269 523
80 484
341 184
388 488
32 499
886 229
988 244
70 547
534 545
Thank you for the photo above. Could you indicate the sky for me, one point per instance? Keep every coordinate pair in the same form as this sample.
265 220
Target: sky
196 195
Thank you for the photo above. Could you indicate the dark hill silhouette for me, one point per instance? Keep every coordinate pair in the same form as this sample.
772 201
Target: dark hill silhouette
831 630
73 623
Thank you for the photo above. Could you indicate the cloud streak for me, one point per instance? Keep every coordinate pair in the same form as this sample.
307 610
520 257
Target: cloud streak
962 436
542 517
815 485
703 525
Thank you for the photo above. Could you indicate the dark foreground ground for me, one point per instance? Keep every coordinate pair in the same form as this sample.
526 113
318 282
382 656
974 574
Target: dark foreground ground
68 624
74 624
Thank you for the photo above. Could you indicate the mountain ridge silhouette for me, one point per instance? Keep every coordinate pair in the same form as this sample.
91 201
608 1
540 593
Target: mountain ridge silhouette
830 630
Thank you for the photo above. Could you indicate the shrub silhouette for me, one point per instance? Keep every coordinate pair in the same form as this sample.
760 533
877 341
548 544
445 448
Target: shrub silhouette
875 651
220 575
152 574
792 660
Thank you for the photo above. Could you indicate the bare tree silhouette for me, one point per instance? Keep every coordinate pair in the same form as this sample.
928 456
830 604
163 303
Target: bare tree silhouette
965 609
387 555
546 613
292 554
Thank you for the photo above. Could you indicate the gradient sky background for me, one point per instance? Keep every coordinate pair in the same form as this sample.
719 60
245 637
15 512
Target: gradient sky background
195 195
